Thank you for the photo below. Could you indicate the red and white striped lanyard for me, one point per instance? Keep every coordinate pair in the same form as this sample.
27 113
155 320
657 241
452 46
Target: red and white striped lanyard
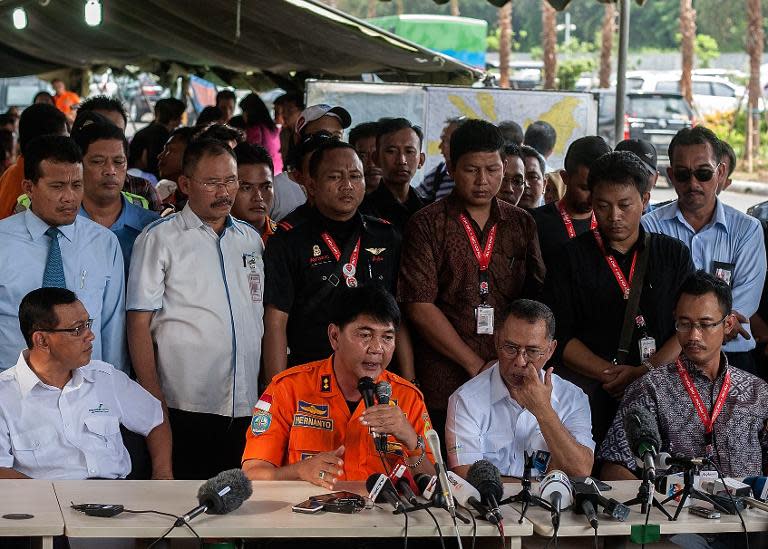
483 256
624 284
706 420
568 220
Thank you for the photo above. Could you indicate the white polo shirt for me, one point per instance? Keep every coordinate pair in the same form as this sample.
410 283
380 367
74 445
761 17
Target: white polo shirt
206 292
74 432
485 422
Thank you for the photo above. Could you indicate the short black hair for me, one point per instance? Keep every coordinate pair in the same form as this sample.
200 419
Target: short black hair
368 299
7 118
308 145
532 312
730 154
475 136
98 132
584 151
541 136
247 153
221 132
185 133
529 152
619 168
7 143
56 148
392 125
697 135
199 148
169 109
36 310
291 97
45 94
512 132
103 103
322 149
223 95
361 131
209 115
702 283
513 149
40 119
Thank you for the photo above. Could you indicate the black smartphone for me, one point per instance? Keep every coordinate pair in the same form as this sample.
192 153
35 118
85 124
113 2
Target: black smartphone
309 506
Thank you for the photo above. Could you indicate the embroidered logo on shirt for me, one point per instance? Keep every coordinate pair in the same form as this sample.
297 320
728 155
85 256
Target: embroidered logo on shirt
325 383
307 455
315 250
264 403
312 422
320 410
260 421
375 251
100 410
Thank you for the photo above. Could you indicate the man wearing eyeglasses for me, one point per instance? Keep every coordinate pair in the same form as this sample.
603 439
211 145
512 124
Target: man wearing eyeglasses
61 411
195 314
513 182
704 406
723 241
519 406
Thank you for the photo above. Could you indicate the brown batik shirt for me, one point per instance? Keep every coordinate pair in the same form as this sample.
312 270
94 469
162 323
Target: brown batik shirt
438 266
740 435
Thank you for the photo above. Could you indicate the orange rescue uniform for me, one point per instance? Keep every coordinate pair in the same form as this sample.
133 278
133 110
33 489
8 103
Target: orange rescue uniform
303 412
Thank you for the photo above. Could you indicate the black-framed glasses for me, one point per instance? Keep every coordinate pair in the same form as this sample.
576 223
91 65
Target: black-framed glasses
530 355
514 181
685 326
703 175
76 331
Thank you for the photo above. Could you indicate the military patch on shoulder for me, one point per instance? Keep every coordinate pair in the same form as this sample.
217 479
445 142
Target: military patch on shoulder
427 423
325 383
260 421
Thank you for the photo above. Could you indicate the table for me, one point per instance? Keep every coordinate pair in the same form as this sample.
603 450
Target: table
266 514
33 497
572 524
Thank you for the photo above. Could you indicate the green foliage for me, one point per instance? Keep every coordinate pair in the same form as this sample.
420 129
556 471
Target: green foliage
706 50
569 71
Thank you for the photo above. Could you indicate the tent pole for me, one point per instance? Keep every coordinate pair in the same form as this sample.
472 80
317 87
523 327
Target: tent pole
621 69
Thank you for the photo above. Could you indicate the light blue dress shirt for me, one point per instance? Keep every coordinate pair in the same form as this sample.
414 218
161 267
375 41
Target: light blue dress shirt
93 269
730 237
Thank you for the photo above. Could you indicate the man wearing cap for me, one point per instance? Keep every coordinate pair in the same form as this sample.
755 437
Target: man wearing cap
559 222
647 153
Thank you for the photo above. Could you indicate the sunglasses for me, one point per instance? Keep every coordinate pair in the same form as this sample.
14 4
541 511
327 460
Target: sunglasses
683 175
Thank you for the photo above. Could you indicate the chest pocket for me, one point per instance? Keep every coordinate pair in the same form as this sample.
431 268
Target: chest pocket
498 443
104 431
311 433
92 294
34 448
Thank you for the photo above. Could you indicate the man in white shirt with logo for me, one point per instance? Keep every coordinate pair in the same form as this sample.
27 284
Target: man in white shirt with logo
517 406
60 411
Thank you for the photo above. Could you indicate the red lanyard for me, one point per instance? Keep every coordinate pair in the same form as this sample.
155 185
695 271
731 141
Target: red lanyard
568 221
706 420
350 268
483 256
613 264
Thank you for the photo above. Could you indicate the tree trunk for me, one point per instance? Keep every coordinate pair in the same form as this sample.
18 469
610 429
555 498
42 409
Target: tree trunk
400 7
455 8
688 33
549 43
606 45
755 44
372 8
505 43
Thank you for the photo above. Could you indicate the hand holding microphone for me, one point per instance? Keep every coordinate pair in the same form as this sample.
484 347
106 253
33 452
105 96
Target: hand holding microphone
383 419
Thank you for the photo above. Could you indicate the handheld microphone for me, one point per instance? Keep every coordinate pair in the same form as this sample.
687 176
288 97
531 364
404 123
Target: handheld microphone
586 501
556 488
383 393
380 489
433 440
223 493
485 476
367 389
643 438
403 480
759 487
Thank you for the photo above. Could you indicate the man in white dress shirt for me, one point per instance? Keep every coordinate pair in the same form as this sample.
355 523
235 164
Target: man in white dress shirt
60 411
519 406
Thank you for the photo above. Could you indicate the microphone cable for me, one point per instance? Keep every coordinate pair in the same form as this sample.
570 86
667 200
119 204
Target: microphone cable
733 502
437 525
174 525
500 526
405 541
474 523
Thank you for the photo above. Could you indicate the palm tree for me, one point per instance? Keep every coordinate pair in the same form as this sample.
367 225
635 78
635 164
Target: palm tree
372 8
688 33
606 45
455 8
549 42
505 43
755 50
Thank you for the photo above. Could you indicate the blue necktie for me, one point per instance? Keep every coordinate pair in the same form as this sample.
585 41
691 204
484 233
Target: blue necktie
53 276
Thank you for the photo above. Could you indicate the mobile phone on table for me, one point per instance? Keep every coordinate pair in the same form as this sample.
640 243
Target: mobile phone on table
705 512
309 506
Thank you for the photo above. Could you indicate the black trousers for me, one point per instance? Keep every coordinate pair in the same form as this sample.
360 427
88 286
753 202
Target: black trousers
205 444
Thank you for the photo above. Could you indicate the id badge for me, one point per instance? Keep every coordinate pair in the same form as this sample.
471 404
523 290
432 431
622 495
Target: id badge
484 320
647 347
723 271
254 286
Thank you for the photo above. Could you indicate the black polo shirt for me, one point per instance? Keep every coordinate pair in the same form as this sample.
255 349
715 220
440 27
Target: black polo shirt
303 277
552 232
383 204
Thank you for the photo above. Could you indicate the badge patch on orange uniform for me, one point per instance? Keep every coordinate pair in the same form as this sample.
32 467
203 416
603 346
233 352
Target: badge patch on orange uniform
325 384
260 421
319 410
313 422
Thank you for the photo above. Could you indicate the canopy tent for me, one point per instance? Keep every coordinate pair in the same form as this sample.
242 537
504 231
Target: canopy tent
283 39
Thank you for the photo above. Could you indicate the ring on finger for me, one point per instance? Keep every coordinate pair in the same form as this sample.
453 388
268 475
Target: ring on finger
321 474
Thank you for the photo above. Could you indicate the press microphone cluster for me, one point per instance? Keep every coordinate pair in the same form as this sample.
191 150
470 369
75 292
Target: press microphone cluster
382 391
486 478
588 500
433 441
220 495
556 489
643 438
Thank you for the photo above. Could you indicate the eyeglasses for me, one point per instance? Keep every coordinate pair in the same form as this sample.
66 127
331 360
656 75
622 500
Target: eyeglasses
516 181
211 185
513 351
685 326
683 175
76 331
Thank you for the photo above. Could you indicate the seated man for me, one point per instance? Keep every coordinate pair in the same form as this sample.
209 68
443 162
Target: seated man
311 422
60 411
518 406
704 406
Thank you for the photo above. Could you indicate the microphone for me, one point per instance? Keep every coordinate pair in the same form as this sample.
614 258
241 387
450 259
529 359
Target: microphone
433 441
403 480
367 389
218 496
380 489
556 488
468 496
664 461
383 393
759 487
643 438
586 501
485 476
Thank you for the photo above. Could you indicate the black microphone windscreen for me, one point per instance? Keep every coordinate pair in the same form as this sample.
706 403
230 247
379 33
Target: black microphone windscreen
422 481
485 476
373 480
642 429
366 384
240 489
383 392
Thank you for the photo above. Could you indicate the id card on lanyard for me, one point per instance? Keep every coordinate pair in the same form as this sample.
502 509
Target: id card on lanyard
484 313
349 269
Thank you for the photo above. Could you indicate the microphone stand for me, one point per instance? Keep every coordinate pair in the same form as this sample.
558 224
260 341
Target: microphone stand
644 497
525 496
689 491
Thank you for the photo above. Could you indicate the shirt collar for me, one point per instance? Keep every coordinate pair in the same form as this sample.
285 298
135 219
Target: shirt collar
693 370
28 380
456 207
192 221
718 218
37 226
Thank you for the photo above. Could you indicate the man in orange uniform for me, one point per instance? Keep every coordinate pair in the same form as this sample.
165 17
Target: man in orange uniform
312 423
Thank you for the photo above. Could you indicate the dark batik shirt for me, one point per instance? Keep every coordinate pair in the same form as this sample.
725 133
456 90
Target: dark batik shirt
740 433
438 266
